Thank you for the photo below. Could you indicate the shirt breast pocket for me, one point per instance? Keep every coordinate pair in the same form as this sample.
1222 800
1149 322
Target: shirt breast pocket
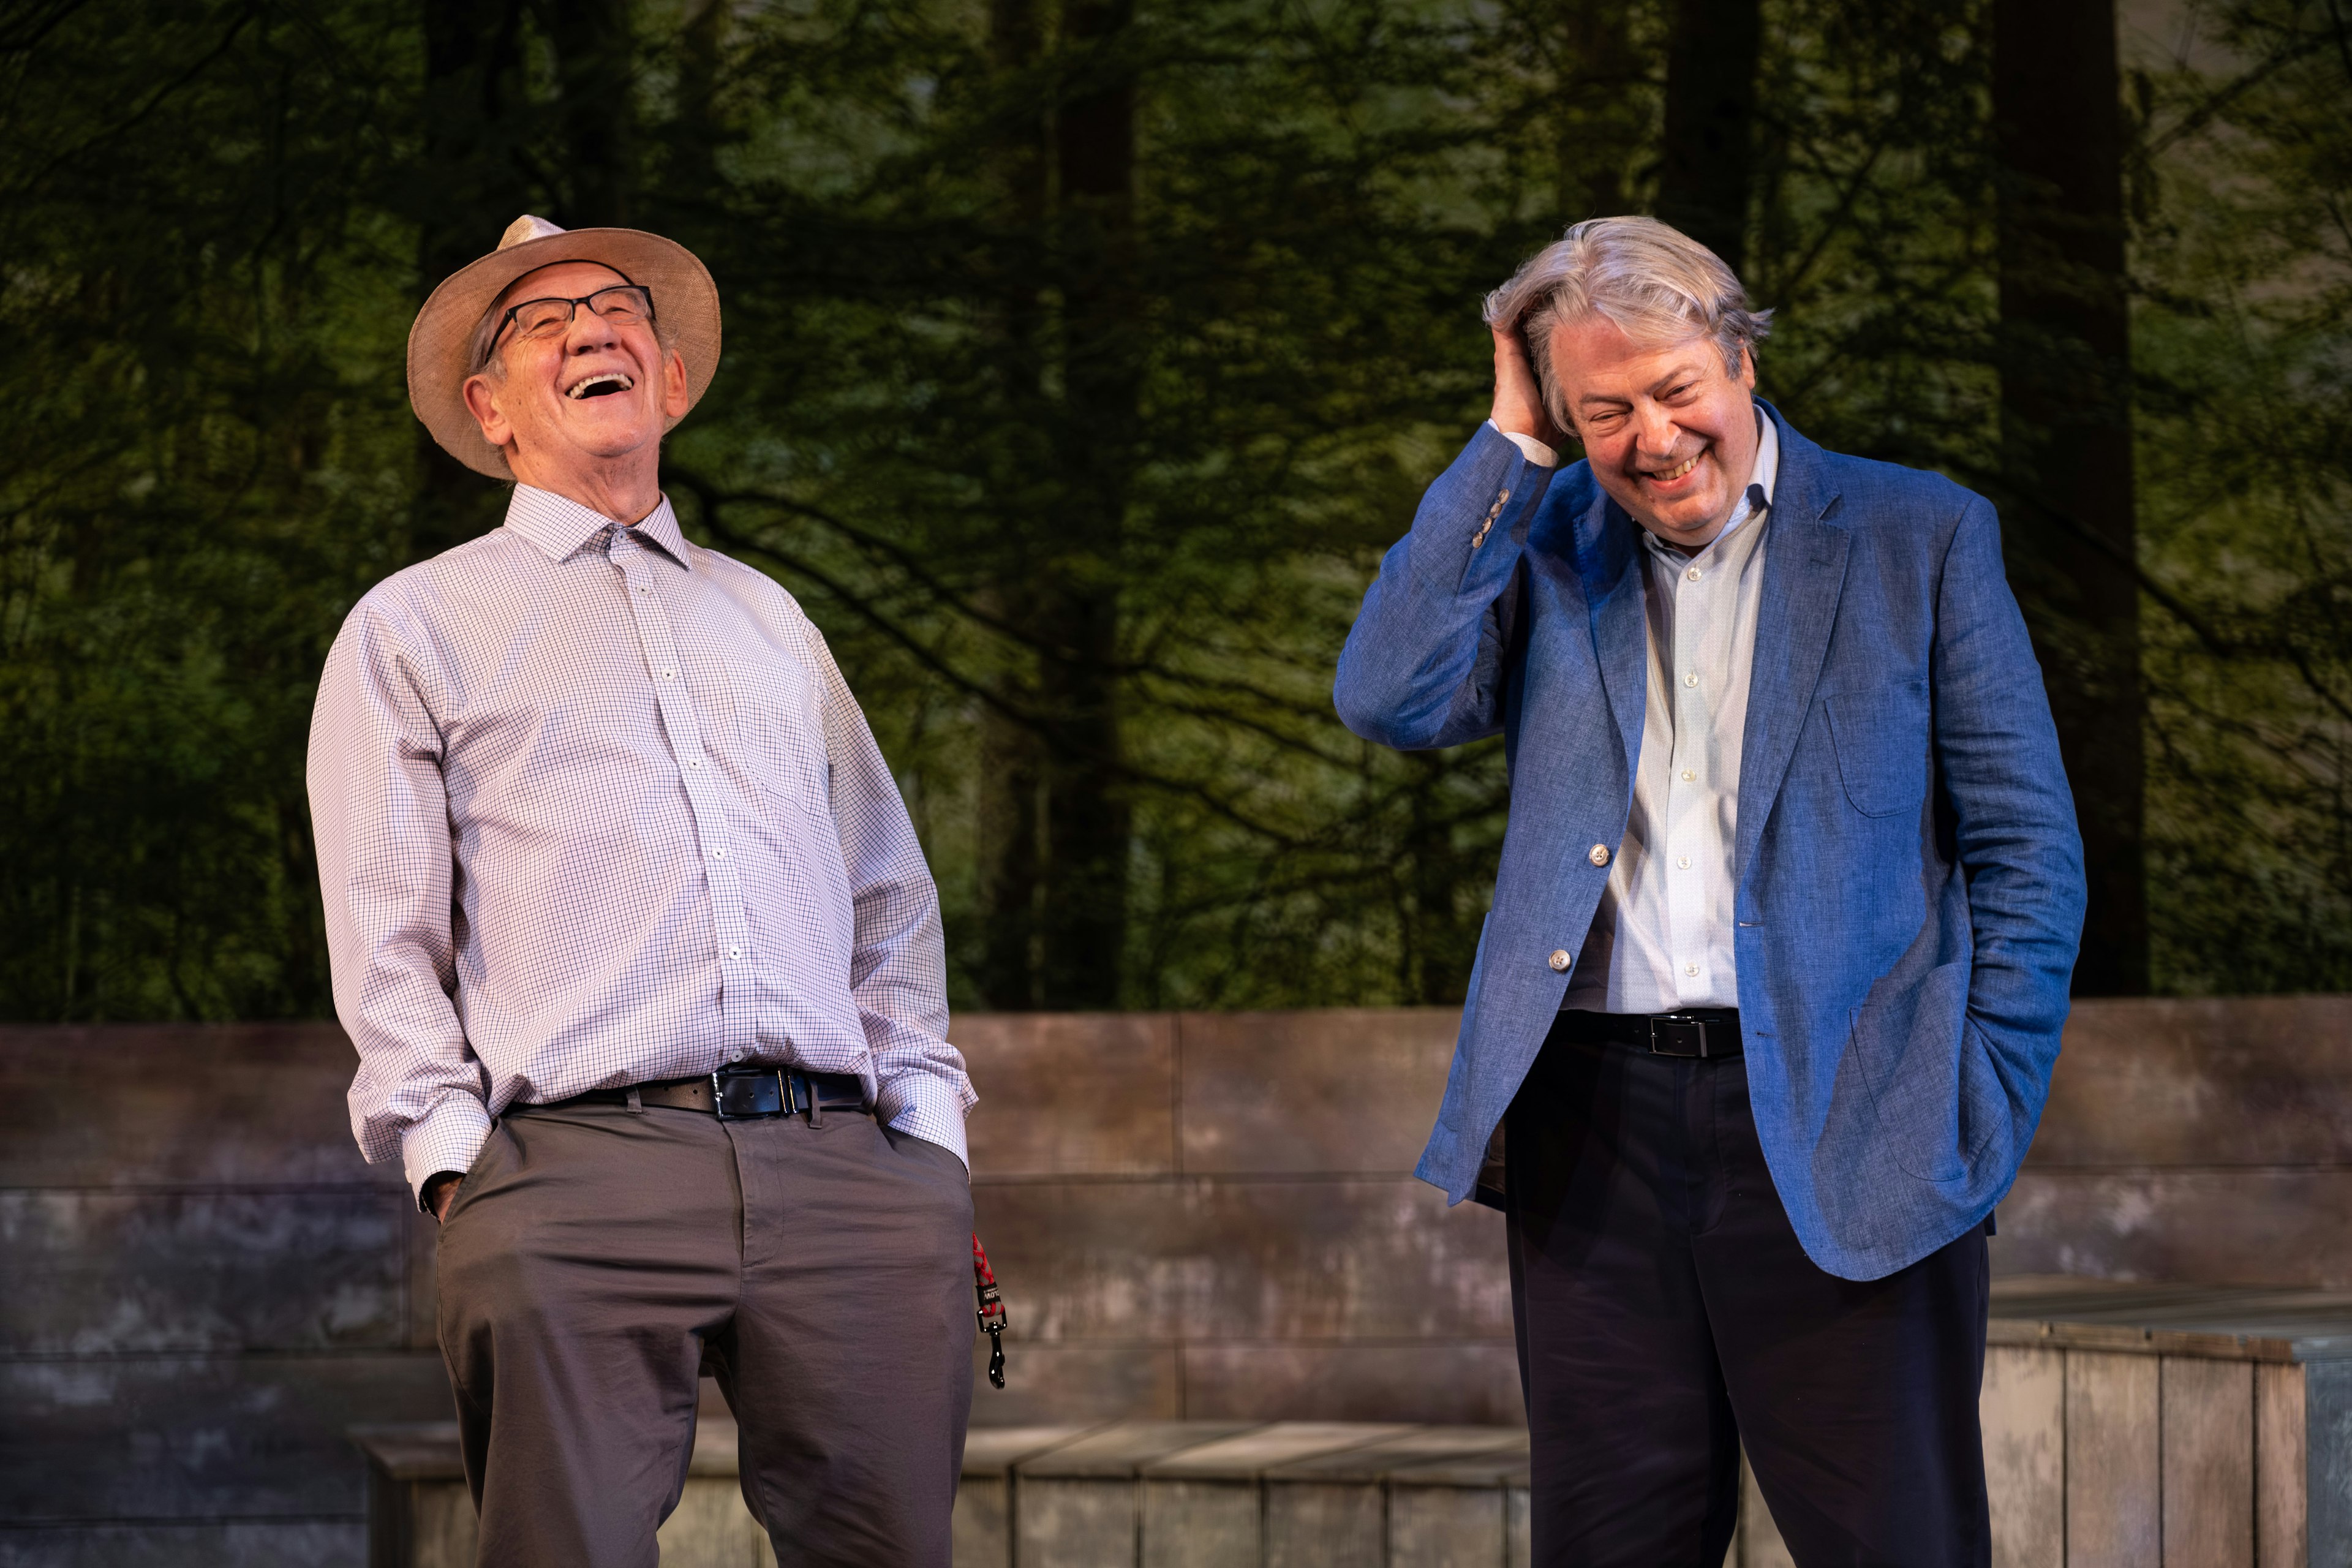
781 733
1881 736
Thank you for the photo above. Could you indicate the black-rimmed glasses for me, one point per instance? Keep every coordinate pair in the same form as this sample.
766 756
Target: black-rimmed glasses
622 304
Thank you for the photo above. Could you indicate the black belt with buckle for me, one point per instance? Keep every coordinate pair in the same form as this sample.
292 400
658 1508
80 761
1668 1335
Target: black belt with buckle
1708 1033
737 1093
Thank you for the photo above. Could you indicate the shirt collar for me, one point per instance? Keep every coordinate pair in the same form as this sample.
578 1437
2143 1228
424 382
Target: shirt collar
558 525
1761 481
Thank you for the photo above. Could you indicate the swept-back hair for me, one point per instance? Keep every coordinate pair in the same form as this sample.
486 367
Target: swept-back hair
1656 283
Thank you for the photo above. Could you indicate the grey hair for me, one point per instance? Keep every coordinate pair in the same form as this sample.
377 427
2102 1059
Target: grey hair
1655 282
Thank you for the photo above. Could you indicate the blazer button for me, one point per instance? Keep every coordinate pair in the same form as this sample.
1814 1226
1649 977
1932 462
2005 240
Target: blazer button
1560 959
1600 856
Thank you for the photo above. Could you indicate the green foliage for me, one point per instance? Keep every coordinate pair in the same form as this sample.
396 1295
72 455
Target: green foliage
1081 486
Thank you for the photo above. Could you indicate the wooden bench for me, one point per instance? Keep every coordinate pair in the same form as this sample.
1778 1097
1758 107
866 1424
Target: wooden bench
2144 1427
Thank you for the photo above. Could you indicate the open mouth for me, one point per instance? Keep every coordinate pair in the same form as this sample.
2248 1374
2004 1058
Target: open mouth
604 384
1679 469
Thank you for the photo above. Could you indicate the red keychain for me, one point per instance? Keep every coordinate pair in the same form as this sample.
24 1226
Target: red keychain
992 1311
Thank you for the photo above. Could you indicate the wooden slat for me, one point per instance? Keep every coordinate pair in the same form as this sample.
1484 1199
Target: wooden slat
185 1105
1424 1454
2023 1410
1327 1090
1446 1527
1278 1259
2114 1434
710 1528
2208 1462
168 1437
2238 1081
1476 1383
2280 1476
295 1544
1758 1543
1078 1524
1316 1524
2327 1461
1122 1450
1201 1524
2282 1228
101 1273
1246 1456
1088 1380
1070 1094
443 1530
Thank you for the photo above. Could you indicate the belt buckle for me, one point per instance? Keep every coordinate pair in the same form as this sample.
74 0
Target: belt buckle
734 1096
1667 1032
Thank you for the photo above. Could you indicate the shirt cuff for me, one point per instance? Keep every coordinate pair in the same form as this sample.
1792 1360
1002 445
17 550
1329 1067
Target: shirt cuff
928 1108
447 1139
1534 451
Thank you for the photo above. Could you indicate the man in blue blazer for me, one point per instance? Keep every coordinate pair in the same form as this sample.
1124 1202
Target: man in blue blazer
1766 1009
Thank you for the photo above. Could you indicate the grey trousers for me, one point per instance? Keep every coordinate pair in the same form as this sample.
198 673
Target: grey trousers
595 1257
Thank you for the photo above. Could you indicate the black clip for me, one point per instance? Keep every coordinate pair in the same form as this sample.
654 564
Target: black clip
991 1312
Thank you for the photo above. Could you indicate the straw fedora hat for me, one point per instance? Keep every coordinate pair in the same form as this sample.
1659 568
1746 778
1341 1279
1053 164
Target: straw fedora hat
441 343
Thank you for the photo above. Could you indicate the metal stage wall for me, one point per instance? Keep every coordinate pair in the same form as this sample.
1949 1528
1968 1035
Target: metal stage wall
1205 1216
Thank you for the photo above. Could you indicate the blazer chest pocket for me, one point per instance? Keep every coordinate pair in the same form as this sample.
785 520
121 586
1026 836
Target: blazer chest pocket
1881 736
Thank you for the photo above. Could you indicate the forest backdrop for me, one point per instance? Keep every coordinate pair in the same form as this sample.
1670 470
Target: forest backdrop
1082 357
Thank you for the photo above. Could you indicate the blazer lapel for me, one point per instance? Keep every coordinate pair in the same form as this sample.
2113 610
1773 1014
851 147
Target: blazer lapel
1611 565
1805 573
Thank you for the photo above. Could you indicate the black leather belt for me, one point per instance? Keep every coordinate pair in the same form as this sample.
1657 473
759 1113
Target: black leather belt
738 1092
1712 1033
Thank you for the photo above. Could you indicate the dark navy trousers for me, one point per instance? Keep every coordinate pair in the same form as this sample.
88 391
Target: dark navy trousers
1667 1316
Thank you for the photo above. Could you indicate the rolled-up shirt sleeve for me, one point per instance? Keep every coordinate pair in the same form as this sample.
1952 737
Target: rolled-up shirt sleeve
381 815
898 971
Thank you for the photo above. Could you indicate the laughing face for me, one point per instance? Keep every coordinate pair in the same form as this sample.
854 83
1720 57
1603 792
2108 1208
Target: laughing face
576 399
1670 437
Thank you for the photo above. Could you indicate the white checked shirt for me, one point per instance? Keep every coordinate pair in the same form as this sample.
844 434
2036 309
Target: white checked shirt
1661 939
595 807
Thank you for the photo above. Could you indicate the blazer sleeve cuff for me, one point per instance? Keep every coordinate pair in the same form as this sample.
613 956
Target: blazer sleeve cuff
445 1138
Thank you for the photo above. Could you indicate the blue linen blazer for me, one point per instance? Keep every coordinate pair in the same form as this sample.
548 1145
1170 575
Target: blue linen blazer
1909 877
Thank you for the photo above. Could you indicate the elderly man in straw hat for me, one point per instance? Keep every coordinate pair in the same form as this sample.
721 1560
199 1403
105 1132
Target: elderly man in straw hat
643 963
1765 1011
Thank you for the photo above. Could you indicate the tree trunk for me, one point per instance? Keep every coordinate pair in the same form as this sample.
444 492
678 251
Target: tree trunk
592 58
2066 437
1011 783
1602 118
473 104
1708 158
1082 920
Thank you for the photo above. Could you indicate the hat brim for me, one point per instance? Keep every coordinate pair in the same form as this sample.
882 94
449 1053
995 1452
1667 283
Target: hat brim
440 344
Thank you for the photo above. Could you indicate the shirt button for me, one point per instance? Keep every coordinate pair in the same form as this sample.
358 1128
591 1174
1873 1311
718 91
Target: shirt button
1690 969
1598 855
1560 959
718 853
1684 862
734 952
694 761
1690 680
1688 775
1692 573
644 590
669 675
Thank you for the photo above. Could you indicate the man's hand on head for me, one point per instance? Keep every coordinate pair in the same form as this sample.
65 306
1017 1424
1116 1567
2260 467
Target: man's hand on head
440 1188
1519 398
